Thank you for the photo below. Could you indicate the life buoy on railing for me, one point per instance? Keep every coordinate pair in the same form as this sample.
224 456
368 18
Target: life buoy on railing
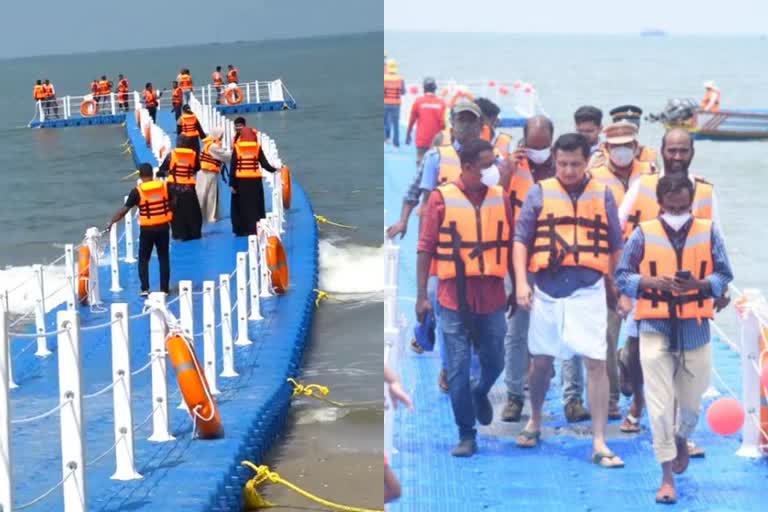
194 387
285 177
84 273
88 108
234 96
277 264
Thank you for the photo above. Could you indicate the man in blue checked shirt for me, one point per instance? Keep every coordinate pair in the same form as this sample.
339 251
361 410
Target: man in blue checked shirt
674 265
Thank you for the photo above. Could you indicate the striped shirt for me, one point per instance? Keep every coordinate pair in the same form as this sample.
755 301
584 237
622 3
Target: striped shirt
692 333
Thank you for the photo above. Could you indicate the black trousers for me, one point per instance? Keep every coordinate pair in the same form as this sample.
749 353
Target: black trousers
152 113
247 207
159 239
177 111
187 223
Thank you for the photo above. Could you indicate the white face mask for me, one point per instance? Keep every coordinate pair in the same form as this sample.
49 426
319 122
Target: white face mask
538 156
676 221
490 176
622 156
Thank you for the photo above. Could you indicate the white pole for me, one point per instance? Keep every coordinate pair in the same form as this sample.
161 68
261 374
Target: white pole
42 341
264 284
113 261
94 295
69 270
228 350
256 87
71 414
186 319
253 265
6 455
750 380
40 110
158 330
247 92
129 254
242 300
112 102
125 468
209 334
6 341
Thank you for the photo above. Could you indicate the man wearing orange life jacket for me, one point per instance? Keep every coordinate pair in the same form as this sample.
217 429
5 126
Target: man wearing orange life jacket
711 100
176 99
674 265
95 89
122 93
232 74
218 83
151 100
465 238
104 91
502 142
181 166
630 113
186 84
188 126
153 199
568 235
246 169
40 95
52 105
394 88
212 156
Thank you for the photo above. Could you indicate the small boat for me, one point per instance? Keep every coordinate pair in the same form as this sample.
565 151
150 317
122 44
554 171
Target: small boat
730 124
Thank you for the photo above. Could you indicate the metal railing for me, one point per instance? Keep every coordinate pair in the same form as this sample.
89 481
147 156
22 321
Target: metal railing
247 92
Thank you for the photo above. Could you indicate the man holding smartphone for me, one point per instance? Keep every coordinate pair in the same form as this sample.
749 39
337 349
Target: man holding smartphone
675 265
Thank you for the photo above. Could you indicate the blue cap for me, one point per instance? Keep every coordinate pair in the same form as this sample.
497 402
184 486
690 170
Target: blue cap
424 333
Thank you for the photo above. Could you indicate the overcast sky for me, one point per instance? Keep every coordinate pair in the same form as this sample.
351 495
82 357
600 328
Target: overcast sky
45 27
582 16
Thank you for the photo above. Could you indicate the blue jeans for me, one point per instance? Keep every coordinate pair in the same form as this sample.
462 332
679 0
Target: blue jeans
392 123
572 378
439 338
489 331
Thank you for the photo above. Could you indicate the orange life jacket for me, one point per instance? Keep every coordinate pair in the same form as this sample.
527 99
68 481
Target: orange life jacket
95 87
49 92
447 137
217 80
518 188
207 162
501 143
182 168
571 233
479 237
154 204
661 259
232 76
189 125
247 160
393 86
39 92
711 93
450 166
150 98
604 175
176 99
646 206
185 82
646 154
486 133
103 87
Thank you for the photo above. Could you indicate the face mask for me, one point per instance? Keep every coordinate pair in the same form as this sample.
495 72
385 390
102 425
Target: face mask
490 176
622 156
538 156
676 221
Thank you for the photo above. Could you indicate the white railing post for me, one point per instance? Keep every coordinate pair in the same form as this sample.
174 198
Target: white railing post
71 414
113 261
261 247
42 341
242 299
186 319
69 271
40 111
391 262
247 92
209 334
228 350
6 455
6 342
129 254
125 468
254 273
112 102
256 84
158 330
750 378
94 292
67 107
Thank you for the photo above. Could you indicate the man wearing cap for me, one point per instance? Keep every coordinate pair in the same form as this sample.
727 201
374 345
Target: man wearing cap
394 88
711 100
428 114
630 113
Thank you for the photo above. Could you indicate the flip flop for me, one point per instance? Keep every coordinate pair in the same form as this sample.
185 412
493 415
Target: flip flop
666 495
416 347
680 463
603 459
525 437
695 452
630 425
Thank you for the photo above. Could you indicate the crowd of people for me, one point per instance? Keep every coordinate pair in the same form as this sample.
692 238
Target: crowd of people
539 250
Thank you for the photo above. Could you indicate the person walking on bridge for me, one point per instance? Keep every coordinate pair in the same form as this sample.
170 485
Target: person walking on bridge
186 84
188 126
245 182
151 101
211 159
218 83
176 99
122 93
181 167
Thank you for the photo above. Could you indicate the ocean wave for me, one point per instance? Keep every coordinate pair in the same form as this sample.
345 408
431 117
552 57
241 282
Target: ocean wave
351 269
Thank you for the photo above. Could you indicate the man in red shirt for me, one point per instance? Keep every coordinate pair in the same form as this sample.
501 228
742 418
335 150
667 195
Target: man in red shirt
428 114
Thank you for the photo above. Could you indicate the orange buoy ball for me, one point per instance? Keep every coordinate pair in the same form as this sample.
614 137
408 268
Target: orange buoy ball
725 416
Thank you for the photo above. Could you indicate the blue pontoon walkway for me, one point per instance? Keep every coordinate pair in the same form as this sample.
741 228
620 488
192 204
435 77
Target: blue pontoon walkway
558 475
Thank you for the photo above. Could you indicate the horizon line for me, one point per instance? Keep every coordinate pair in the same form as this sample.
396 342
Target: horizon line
625 33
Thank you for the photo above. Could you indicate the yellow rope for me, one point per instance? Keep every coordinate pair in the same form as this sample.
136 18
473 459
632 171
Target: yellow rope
254 501
126 143
324 220
321 295
128 150
314 391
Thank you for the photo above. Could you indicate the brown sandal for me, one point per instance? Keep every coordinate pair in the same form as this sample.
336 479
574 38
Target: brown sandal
630 425
666 494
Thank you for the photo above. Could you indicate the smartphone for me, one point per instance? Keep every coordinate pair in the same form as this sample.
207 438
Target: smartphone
683 275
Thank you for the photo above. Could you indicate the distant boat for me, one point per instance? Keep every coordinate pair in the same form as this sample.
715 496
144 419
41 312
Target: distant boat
730 124
653 32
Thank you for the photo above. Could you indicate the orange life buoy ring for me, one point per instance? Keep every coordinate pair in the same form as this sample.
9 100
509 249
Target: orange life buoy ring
285 176
84 273
89 108
234 96
277 264
194 387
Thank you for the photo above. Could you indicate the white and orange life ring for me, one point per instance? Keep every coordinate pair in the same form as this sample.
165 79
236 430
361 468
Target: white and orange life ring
234 96
84 273
89 108
194 387
277 264
285 177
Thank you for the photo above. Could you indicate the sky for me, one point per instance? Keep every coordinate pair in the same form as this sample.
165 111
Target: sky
580 16
45 27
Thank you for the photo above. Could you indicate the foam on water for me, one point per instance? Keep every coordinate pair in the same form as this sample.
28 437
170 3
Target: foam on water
22 286
351 269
